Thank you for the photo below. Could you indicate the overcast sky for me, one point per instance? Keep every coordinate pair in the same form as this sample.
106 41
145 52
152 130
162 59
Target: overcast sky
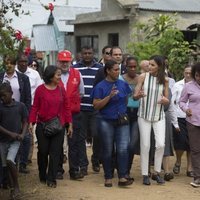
39 15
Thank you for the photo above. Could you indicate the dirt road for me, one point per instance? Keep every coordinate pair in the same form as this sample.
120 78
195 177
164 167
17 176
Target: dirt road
92 187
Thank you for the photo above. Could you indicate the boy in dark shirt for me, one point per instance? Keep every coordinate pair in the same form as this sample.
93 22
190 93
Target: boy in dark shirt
13 126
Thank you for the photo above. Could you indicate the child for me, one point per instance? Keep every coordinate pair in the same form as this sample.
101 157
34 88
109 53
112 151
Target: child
13 126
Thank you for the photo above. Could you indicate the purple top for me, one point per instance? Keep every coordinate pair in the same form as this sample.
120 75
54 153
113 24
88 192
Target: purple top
190 99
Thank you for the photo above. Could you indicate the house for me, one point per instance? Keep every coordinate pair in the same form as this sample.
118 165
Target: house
117 20
58 33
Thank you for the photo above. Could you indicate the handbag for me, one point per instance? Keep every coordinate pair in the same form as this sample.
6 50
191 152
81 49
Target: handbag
123 119
52 127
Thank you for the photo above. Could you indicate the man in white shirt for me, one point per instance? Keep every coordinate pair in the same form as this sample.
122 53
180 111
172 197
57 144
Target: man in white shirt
35 81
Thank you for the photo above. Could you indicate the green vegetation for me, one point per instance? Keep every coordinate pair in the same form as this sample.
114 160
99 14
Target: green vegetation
161 36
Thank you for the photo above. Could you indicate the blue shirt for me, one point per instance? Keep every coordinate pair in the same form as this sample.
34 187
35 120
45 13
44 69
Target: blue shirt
118 103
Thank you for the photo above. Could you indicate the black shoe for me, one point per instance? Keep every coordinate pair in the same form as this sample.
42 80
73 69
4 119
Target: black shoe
146 180
124 183
96 168
168 176
51 184
43 181
190 173
76 176
156 177
84 171
59 176
23 170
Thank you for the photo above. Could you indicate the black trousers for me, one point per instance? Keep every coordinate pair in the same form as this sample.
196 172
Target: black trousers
76 146
48 155
89 124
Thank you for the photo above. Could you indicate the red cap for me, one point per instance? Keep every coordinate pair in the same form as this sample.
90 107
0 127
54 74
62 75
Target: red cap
64 55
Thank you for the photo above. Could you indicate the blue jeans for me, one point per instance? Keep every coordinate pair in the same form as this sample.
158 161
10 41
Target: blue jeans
134 145
117 135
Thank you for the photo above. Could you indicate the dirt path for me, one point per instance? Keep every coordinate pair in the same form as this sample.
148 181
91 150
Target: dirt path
92 188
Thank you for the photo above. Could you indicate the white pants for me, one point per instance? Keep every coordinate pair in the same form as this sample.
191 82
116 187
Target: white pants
145 140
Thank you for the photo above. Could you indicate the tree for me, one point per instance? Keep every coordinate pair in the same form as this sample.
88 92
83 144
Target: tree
12 41
160 36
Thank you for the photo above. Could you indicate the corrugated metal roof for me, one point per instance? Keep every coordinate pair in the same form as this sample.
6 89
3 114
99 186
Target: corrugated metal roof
165 5
44 38
63 16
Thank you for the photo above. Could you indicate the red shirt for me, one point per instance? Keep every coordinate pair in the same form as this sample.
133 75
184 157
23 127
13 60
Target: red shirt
48 104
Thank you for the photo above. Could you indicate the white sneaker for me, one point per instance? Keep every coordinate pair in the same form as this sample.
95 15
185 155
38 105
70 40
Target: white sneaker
195 184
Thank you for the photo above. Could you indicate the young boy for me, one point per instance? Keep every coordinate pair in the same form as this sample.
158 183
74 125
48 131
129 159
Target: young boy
13 126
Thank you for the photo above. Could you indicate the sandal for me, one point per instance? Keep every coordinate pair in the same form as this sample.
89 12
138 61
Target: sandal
168 176
108 183
176 169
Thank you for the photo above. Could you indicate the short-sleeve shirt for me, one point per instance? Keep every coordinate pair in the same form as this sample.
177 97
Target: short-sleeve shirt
11 118
118 103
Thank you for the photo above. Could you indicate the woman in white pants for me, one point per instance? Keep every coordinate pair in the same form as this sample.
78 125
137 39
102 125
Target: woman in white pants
152 90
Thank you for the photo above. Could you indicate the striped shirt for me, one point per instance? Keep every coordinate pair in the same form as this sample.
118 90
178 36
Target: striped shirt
88 75
149 108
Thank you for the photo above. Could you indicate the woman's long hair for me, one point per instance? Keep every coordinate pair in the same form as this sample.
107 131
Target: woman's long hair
161 68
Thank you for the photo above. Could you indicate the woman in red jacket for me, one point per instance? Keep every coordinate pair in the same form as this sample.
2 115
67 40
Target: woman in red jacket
50 101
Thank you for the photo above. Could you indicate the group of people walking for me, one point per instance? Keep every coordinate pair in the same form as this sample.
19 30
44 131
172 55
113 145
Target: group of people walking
120 108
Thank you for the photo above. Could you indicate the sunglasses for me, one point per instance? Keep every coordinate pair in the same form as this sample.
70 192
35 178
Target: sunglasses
34 65
107 53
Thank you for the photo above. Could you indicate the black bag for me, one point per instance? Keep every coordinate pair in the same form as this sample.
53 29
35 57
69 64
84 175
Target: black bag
123 119
52 127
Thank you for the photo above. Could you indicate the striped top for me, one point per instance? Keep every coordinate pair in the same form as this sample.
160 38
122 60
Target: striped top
88 75
149 109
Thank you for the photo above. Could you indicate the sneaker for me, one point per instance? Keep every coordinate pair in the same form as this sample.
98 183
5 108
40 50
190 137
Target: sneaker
156 177
146 180
195 184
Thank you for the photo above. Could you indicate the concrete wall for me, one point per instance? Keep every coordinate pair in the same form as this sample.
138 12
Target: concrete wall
115 19
183 19
103 29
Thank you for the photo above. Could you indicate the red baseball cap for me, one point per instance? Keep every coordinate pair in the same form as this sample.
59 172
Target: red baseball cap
64 55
